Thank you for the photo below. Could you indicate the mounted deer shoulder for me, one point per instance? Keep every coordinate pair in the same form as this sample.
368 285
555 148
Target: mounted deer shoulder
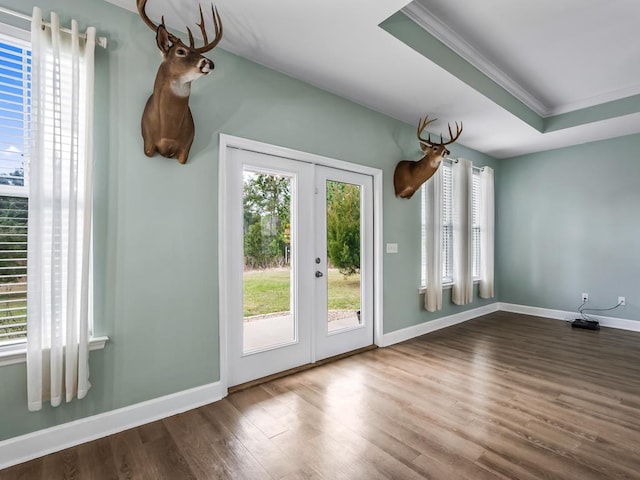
410 175
167 123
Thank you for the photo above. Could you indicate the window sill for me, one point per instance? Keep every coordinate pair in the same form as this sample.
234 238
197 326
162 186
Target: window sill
446 286
17 353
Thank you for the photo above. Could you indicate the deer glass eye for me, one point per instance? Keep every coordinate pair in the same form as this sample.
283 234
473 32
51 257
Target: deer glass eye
181 52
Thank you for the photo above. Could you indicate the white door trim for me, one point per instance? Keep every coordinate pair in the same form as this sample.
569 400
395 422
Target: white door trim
229 141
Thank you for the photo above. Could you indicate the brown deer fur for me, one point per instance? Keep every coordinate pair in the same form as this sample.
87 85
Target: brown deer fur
410 175
167 123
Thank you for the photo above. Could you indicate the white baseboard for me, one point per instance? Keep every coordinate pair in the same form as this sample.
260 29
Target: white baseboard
612 322
536 311
444 322
43 442
433 325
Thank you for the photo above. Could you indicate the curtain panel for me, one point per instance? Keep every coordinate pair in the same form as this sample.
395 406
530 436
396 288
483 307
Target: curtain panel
433 245
60 205
462 291
487 229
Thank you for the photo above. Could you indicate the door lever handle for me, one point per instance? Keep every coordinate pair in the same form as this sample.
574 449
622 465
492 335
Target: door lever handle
318 273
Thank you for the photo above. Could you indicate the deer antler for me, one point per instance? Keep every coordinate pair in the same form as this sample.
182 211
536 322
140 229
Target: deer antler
421 126
453 139
142 4
217 23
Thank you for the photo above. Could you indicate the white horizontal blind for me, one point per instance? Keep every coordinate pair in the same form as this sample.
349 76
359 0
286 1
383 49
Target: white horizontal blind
447 223
447 227
15 87
475 219
13 268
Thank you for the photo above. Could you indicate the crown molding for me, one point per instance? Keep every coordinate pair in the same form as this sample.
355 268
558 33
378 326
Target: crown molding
596 100
423 17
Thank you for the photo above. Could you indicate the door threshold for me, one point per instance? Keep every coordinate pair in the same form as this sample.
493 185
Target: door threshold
301 368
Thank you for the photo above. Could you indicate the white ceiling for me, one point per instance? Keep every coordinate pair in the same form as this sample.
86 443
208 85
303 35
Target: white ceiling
564 55
554 56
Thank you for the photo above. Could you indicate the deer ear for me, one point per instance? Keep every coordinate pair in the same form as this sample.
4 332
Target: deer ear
162 39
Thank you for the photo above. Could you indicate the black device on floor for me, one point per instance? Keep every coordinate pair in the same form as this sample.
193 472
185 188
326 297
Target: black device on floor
588 324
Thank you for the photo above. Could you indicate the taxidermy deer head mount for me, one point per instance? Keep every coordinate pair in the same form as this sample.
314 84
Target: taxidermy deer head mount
409 175
167 124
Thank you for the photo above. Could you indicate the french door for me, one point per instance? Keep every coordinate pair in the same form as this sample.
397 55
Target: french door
299 263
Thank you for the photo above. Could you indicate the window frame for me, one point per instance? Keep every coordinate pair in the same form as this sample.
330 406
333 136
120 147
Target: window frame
15 350
447 227
21 39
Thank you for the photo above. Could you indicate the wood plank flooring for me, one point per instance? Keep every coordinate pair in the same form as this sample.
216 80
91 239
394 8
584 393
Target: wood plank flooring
504 396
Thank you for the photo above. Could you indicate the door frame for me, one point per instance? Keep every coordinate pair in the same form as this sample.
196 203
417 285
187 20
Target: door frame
227 142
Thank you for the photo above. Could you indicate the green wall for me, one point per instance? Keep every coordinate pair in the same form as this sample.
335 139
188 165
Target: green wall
567 222
156 221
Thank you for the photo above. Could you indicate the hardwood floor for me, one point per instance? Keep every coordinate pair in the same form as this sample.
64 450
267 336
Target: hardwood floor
502 396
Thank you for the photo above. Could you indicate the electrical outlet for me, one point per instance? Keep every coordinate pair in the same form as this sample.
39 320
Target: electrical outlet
622 301
585 297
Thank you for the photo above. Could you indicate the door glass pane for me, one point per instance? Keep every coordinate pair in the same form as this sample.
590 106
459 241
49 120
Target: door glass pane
343 255
268 275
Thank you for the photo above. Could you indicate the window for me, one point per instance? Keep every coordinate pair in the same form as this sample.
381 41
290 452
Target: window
447 223
447 226
475 219
15 84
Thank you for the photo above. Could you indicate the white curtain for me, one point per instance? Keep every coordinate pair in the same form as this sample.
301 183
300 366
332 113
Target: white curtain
433 244
462 291
60 205
487 222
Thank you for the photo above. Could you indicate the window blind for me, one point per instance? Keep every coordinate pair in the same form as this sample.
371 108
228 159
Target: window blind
15 88
475 220
447 223
13 268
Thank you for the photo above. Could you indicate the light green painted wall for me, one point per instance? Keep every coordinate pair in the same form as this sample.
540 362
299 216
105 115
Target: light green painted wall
156 221
567 222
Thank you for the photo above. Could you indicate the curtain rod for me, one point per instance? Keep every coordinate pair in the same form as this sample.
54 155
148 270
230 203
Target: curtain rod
101 41
455 160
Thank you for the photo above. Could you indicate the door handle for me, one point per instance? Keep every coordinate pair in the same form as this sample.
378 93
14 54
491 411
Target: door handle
318 273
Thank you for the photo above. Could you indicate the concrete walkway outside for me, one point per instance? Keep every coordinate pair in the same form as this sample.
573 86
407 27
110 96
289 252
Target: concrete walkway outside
266 330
